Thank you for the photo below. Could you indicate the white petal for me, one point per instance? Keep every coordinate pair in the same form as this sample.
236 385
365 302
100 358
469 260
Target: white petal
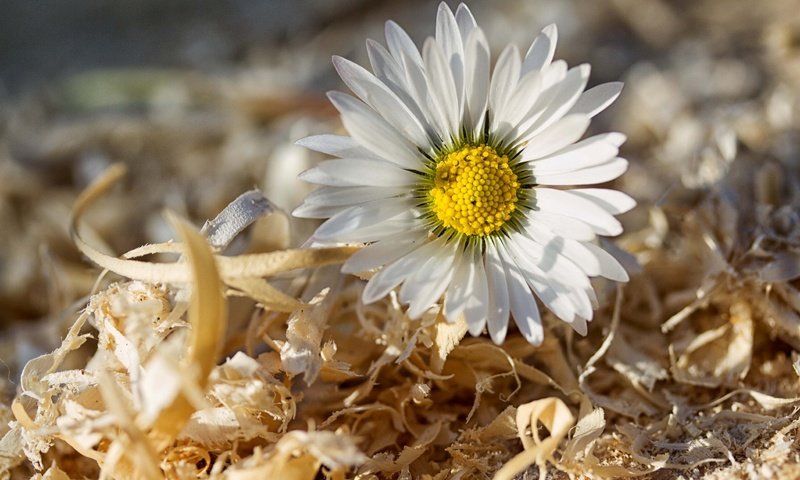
555 266
456 297
393 274
553 294
373 132
596 99
378 96
592 297
452 46
552 77
336 145
623 257
361 216
564 203
498 295
590 258
427 285
385 229
587 176
435 266
615 138
565 131
609 266
477 305
419 90
504 79
432 292
351 172
587 153
337 196
566 94
476 60
466 22
308 210
559 283
612 201
573 250
390 72
441 87
385 66
401 44
523 304
507 120
579 325
541 50
382 253
319 177
560 225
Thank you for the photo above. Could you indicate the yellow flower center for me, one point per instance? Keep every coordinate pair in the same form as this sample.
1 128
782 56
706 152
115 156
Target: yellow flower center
475 190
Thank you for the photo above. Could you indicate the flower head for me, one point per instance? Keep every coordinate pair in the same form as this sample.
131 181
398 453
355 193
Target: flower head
454 176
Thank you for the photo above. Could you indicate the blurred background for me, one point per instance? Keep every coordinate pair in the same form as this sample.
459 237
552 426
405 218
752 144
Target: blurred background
203 100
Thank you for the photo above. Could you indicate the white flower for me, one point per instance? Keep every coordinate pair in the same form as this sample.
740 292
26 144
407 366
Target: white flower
448 177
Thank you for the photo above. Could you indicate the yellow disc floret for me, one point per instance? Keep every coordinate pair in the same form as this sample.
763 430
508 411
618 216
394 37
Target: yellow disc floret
475 190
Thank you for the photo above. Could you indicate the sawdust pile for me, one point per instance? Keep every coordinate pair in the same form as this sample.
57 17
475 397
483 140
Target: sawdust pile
228 352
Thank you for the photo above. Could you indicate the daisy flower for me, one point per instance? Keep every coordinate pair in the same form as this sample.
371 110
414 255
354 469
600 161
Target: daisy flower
454 176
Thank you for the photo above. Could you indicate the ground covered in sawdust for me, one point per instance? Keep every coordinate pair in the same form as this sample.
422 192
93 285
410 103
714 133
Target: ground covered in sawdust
232 353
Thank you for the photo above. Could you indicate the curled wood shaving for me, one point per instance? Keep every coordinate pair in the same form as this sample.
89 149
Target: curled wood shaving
556 417
238 215
247 266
